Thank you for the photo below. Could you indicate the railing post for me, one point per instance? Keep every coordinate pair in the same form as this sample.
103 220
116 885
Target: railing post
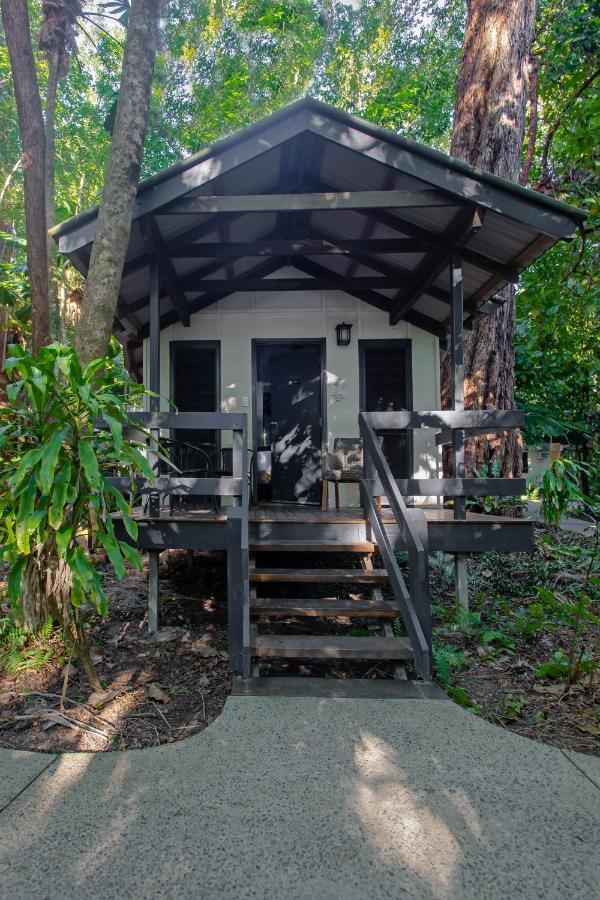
154 380
238 591
239 461
419 573
461 585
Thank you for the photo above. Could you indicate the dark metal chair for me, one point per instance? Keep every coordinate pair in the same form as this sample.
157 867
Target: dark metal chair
186 461
221 461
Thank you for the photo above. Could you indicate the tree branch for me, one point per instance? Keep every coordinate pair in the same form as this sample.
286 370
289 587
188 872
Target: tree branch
558 121
533 121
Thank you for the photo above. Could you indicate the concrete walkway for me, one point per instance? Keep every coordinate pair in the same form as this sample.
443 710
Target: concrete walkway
295 797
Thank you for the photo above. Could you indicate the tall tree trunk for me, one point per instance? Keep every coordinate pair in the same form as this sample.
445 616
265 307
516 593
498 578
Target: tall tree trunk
114 218
489 123
50 132
15 19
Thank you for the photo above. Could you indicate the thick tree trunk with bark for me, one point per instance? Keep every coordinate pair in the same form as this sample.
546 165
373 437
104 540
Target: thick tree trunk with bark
489 122
114 218
15 19
50 131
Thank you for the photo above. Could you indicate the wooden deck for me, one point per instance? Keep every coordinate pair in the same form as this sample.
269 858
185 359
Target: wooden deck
311 515
205 529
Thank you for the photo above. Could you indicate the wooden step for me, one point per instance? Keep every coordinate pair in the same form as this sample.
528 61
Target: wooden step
273 606
330 647
268 546
347 576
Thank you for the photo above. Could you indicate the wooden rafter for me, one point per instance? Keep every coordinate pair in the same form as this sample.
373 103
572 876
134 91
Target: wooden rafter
463 225
298 247
267 267
402 225
269 203
374 299
168 275
400 274
330 282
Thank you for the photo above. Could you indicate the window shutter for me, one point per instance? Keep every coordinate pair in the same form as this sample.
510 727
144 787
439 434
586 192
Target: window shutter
195 385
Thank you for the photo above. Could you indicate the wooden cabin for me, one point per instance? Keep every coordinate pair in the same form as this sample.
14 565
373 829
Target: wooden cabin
288 290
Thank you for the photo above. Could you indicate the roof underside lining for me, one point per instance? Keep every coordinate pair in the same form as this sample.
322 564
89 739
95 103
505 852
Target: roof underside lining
391 255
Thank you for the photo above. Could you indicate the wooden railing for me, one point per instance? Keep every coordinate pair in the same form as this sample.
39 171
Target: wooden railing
234 486
415 605
451 427
447 424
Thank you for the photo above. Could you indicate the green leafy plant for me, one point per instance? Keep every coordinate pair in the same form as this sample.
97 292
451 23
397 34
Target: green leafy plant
21 650
513 707
499 639
561 489
446 660
578 595
54 490
463 698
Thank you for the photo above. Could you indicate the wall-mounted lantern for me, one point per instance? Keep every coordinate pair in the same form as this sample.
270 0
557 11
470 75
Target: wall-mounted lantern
342 333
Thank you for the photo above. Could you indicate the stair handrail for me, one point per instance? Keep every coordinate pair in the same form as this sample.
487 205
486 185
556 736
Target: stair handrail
416 543
374 453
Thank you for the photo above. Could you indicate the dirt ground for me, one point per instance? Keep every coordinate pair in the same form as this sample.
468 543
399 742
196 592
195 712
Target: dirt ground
160 690
156 691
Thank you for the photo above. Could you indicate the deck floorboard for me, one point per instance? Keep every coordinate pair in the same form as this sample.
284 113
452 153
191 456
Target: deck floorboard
315 516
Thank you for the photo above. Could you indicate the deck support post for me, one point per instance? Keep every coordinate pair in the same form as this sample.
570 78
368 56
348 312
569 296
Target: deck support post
238 591
461 579
154 385
153 591
461 584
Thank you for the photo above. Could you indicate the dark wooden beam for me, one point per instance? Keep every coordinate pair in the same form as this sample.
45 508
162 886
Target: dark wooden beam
267 267
168 275
257 203
428 238
377 300
457 233
401 274
331 282
191 234
197 231
297 247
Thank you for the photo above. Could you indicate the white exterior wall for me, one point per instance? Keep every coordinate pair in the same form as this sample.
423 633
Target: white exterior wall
238 319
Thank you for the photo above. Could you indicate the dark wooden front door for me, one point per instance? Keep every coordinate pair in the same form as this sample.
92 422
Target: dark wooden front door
294 421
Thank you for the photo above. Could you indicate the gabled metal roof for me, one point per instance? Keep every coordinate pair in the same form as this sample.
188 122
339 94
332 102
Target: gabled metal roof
310 147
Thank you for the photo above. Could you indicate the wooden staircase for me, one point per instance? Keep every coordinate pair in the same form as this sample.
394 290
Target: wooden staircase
277 609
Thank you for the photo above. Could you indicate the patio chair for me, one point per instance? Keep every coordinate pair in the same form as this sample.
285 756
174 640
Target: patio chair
184 460
343 466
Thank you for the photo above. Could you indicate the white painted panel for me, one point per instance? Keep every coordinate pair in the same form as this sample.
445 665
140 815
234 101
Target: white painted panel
236 321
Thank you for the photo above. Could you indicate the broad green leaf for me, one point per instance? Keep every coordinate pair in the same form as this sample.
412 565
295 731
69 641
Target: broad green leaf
50 458
116 430
64 536
130 524
131 554
60 495
89 463
111 546
29 461
14 580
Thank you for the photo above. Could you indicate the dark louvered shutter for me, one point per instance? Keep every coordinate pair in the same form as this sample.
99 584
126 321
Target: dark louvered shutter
386 389
195 385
